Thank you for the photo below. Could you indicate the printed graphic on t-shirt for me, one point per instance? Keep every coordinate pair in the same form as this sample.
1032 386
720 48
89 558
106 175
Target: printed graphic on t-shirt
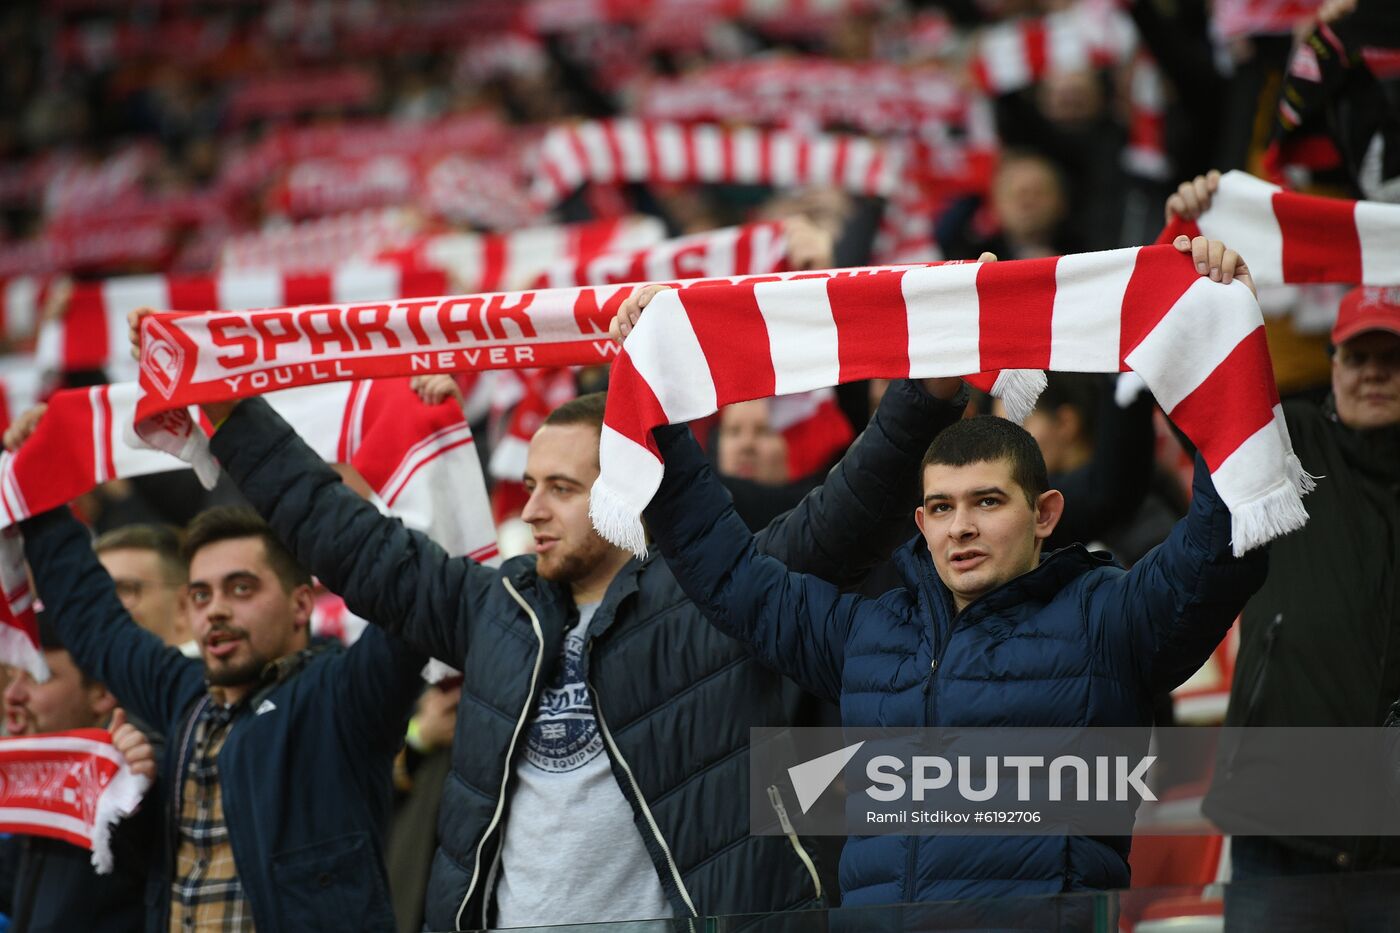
564 735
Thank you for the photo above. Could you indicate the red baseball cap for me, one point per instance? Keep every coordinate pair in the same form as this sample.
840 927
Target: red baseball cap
1364 309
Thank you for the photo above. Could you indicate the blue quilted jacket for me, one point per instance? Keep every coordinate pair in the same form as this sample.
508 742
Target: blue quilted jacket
1076 642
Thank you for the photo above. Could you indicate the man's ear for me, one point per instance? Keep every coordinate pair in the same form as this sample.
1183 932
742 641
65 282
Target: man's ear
303 602
101 702
919 519
1048 508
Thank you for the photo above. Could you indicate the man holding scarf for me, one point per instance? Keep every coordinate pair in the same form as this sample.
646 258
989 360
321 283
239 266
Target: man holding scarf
601 761
985 630
275 792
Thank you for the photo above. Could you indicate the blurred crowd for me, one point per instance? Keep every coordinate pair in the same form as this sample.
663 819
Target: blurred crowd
196 138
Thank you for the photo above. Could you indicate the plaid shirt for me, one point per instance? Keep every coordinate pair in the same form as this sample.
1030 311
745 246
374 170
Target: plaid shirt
206 894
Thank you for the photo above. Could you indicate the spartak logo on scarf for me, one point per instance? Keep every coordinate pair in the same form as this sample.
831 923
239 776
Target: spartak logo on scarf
1199 345
74 786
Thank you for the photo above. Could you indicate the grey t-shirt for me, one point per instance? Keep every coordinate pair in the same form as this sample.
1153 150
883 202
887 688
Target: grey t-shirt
572 853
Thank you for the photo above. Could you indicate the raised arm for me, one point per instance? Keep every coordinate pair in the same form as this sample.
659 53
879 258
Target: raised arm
797 623
151 680
394 577
1165 616
864 509
376 683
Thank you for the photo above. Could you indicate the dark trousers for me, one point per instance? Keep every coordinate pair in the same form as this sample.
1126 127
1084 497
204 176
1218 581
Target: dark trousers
1278 889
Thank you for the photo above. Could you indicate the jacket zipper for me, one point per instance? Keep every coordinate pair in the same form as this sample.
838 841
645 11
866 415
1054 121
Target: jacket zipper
928 718
510 750
641 801
1257 690
775 797
231 820
934 648
186 736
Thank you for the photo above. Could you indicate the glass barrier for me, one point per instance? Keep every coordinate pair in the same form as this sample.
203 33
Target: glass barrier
1344 901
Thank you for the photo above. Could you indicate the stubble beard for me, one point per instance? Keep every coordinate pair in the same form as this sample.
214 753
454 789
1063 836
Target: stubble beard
579 563
235 675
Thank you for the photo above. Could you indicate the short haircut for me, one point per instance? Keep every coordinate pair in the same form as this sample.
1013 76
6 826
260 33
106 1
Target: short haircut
227 522
586 409
987 439
164 540
1081 391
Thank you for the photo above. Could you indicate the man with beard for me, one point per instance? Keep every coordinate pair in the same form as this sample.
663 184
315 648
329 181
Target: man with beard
276 786
600 769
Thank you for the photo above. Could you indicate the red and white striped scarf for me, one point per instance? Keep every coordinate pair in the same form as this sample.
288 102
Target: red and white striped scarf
1293 239
753 249
1018 53
74 786
1197 344
649 151
495 262
93 332
549 16
191 358
874 97
628 150
319 244
19 628
1233 19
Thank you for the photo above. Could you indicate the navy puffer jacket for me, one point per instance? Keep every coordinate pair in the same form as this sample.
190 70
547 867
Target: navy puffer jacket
1076 642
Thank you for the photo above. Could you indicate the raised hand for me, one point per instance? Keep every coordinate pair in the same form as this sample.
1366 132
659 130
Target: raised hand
133 745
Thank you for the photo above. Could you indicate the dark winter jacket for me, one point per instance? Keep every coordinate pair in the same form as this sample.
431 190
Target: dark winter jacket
1075 642
674 698
56 889
305 771
1320 641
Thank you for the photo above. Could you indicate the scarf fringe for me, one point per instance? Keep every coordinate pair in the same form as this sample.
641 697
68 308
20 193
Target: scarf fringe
1275 513
615 519
118 800
1019 389
1303 481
